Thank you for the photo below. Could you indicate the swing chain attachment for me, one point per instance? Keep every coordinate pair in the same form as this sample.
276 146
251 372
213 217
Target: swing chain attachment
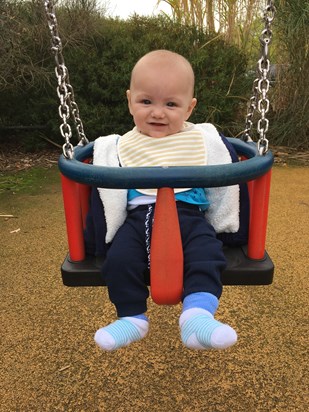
259 99
65 91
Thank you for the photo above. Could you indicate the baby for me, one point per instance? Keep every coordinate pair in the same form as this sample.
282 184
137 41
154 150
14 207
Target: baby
161 100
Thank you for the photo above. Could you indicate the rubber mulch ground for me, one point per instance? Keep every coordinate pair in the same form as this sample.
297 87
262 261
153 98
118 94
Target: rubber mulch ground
49 361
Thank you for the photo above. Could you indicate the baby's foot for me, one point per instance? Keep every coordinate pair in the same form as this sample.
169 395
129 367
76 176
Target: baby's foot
121 333
199 330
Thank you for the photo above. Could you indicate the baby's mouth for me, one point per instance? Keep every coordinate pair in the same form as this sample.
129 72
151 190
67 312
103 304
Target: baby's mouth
157 124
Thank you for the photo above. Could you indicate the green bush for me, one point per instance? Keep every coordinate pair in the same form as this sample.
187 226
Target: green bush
100 53
289 119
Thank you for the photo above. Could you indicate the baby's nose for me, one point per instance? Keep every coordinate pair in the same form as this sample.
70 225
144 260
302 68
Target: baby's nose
158 112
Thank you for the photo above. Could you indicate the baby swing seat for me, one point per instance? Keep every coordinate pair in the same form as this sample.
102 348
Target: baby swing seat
247 263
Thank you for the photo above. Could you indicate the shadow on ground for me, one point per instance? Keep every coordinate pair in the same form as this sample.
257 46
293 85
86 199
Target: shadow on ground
49 360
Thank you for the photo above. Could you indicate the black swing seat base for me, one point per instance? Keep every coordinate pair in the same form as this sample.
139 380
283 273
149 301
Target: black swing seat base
240 270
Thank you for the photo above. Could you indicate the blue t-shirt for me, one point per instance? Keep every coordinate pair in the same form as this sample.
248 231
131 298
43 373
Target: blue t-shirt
195 196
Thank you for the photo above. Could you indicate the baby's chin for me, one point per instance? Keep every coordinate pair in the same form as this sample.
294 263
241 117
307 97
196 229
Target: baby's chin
157 133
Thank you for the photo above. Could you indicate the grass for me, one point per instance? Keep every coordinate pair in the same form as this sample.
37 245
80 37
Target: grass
32 181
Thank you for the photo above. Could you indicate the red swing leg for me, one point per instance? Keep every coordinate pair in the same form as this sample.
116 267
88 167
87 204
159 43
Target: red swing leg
259 200
73 216
166 254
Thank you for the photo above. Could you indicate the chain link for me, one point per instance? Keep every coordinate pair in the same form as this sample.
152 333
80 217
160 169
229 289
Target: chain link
259 100
148 228
68 105
252 105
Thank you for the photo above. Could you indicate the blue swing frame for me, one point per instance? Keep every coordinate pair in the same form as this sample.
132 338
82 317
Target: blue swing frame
177 177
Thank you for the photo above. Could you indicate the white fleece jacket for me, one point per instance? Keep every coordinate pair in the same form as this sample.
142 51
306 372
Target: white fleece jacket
223 212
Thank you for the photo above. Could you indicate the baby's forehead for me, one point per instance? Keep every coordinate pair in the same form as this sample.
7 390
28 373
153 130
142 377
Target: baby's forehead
164 84
155 70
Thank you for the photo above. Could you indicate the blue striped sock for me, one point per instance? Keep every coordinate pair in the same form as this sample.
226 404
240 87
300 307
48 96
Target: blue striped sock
199 330
122 332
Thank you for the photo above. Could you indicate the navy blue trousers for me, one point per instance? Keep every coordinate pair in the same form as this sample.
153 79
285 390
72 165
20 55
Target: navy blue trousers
127 260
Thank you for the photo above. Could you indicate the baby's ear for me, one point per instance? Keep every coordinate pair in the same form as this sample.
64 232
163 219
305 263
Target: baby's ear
193 103
191 106
128 93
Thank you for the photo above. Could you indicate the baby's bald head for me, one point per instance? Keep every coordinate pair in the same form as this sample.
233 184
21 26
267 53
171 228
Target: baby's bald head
161 60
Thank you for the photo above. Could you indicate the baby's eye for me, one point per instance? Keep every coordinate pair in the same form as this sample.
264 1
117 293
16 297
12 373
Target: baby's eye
171 104
146 101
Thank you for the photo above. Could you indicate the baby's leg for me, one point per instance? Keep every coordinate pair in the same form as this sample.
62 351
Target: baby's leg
204 262
124 269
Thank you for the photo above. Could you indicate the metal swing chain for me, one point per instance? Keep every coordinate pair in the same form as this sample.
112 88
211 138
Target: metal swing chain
251 107
259 100
64 89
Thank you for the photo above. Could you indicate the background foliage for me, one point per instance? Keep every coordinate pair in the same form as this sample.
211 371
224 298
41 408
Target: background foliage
100 53
291 94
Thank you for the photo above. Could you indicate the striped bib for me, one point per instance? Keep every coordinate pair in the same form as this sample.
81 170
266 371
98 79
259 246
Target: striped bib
186 148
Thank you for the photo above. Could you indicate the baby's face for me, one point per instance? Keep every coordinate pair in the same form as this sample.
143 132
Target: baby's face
160 101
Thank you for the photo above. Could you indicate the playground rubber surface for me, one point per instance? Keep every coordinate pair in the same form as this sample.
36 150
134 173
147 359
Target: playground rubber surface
49 361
